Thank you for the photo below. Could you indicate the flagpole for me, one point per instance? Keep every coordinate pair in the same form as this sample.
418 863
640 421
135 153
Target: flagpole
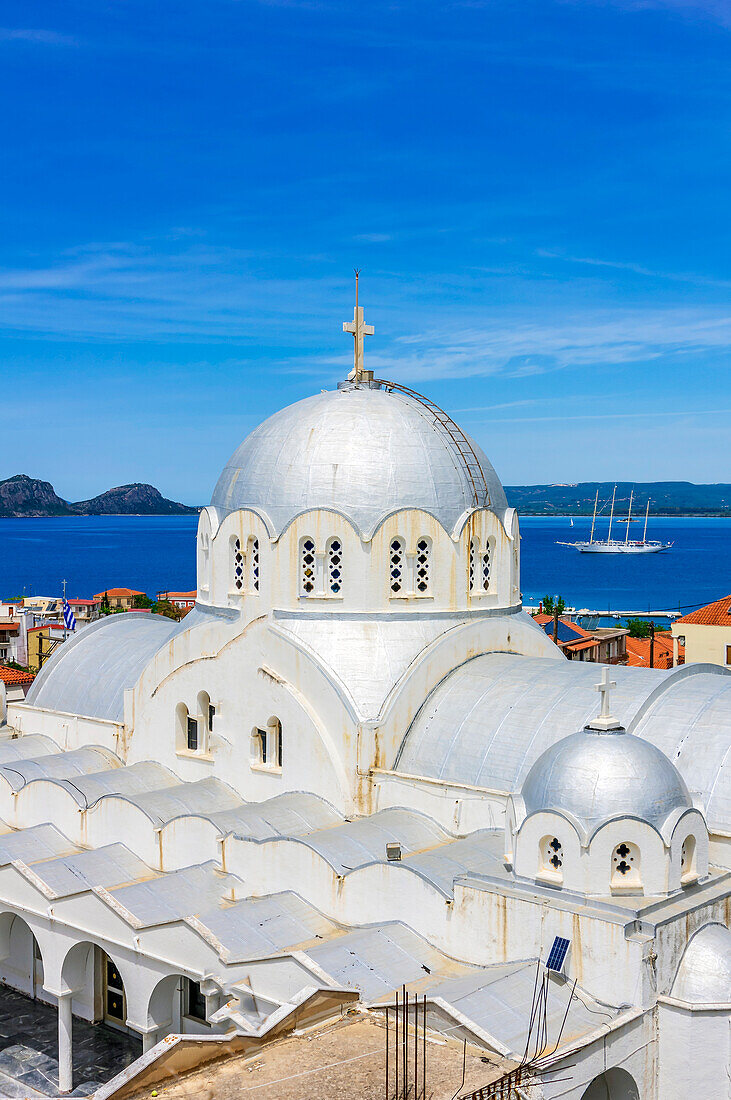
63 609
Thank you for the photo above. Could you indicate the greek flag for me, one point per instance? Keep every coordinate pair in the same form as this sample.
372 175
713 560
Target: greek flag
68 617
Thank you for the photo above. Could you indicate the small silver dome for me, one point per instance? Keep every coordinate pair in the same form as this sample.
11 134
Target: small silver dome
704 974
599 775
360 451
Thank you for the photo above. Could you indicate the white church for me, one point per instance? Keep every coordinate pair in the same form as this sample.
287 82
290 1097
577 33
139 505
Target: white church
356 764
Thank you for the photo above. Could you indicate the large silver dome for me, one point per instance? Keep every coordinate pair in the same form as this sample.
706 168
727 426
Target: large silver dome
360 451
704 974
596 776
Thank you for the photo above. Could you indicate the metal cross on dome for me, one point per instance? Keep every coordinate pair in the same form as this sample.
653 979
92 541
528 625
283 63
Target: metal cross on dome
359 329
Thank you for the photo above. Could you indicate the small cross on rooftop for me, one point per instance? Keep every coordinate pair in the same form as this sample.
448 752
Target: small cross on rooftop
605 719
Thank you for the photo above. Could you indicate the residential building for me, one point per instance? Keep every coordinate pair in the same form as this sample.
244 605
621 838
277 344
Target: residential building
85 611
642 654
16 683
706 634
603 645
42 641
11 634
119 597
46 607
182 600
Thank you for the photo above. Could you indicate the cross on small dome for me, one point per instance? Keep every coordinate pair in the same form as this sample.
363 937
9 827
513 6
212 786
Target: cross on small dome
605 720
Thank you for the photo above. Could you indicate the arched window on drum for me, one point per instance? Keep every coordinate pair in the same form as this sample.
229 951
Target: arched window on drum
480 566
422 566
254 569
307 566
334 558
396 565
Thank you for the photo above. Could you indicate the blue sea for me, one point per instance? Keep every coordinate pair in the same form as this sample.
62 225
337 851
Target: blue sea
153 553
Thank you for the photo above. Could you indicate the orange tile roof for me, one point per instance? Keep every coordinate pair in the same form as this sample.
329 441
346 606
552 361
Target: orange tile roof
588 643
717 613
178 595
15 676
638 651
117 592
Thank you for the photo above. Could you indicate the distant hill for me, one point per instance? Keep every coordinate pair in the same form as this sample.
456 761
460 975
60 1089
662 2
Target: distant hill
21 495
669 498
24 497
131 500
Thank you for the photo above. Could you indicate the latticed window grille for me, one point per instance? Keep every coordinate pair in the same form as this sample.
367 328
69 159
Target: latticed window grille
553 854
485 572
423 554
239 579
626 862
307 567
474 547
335 565
621 855
396 565
255 564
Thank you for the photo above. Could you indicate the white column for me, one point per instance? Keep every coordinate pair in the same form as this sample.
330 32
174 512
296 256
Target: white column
65 1044
149 1038
675 651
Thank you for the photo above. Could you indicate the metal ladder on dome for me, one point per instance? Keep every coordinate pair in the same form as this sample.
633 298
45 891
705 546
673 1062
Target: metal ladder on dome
458 440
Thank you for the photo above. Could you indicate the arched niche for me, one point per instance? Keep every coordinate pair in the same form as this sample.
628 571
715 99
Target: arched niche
614 1084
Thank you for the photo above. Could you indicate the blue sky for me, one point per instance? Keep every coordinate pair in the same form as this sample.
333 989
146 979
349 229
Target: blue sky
537 195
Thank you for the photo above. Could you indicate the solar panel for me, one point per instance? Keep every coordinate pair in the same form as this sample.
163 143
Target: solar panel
557 954
565 633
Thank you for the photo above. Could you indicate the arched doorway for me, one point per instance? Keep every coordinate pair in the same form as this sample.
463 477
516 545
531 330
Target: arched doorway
21 961
615 1084
98 988
177 1003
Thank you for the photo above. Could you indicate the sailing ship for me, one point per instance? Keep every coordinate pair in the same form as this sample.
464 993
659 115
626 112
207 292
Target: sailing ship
618 546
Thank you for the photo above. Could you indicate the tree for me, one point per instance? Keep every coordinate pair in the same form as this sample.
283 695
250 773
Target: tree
550 605
141 600
104 607
165 607
639 628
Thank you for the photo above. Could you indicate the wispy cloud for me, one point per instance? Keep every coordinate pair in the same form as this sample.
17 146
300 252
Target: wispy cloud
373 238
638 269
36 34
647 414
195 291
518 347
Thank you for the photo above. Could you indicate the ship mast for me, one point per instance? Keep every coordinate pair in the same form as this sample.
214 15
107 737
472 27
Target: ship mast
644 535
611 515
629 517
593 518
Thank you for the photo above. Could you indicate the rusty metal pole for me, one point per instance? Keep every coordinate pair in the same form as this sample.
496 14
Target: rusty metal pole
423 1060
416 1045
396 1049
406 1042
385 1095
